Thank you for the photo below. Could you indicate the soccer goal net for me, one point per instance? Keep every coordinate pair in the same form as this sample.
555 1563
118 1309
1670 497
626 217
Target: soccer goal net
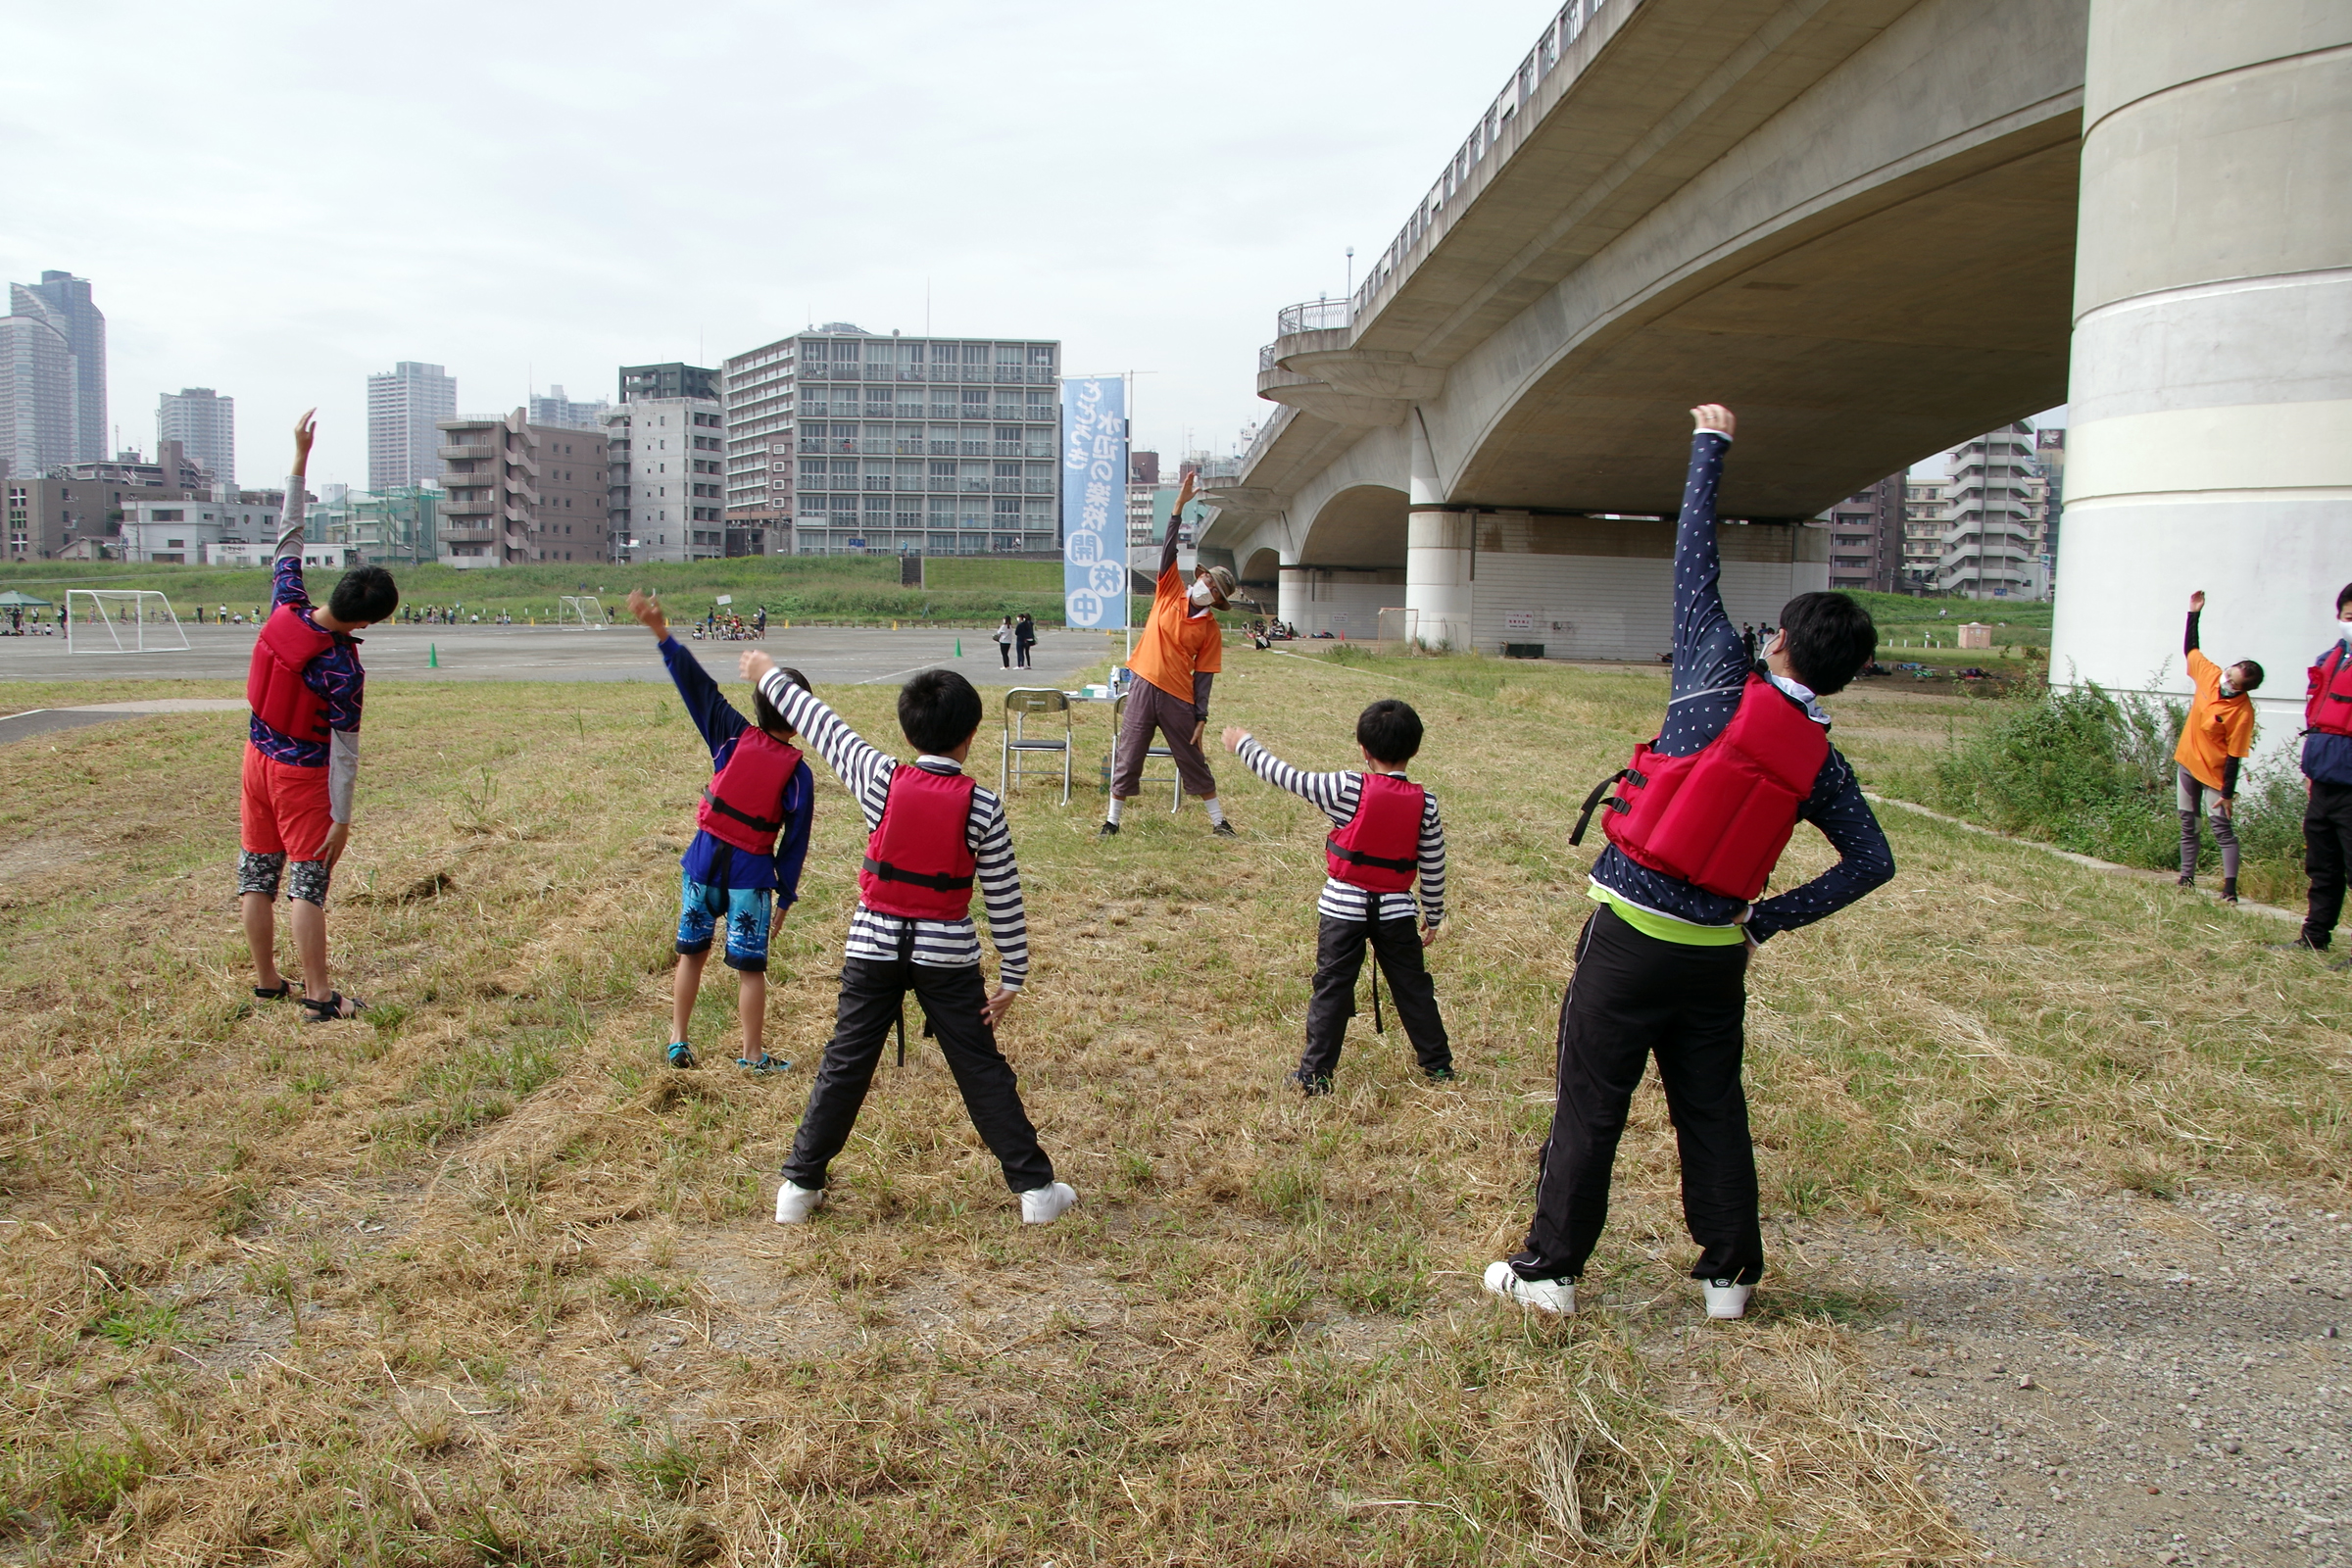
580 609
122 620
1400 626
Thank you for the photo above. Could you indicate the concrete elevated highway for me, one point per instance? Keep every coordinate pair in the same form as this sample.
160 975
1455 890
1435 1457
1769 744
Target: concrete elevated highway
1875 227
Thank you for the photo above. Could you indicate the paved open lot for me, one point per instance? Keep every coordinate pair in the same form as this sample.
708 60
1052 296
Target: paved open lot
831 655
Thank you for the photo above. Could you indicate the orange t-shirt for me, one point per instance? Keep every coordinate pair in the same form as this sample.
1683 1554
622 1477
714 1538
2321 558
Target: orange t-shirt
1177 644
2219 727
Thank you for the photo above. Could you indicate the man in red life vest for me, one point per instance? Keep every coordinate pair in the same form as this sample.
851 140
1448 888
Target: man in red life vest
936 835
302 757
1385 832
751 840
1694 824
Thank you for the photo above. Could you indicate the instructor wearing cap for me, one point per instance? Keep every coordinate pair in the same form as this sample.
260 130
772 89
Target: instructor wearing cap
1176 661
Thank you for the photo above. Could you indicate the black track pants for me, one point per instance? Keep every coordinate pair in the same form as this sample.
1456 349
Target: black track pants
1633 996
1339 960
871 994
2326 852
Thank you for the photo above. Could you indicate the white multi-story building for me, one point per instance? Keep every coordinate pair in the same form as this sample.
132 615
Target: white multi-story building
205 424
665 472
557 410
405 406
1993 518
65 300
896 444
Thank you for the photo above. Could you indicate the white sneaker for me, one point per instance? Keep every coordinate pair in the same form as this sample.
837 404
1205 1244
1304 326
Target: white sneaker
1544 1295
1043 1205
794 1204
1728 1300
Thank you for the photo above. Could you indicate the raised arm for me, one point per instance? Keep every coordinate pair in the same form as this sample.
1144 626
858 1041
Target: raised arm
1167 552
713 714
1709 654
2188 637
290 519
1335 793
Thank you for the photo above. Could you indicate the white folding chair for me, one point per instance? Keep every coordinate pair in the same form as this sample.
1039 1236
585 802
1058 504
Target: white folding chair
1118 727
1020 704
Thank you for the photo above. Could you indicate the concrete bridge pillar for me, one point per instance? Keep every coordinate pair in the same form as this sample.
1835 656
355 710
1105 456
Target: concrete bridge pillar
2211 399
1438 558
1291 601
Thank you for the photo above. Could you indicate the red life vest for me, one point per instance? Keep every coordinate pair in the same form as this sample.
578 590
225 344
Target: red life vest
738 802
2327 703
918 864
1379 848
273 684
1720 818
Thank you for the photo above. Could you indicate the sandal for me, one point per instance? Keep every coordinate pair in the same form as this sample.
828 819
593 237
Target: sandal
681 1054
765 1064
335 1009
285 989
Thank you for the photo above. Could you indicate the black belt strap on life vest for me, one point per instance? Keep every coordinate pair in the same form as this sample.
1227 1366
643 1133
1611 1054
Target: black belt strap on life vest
907 958
1360 858
921 879
1372 956
1595 799
758 824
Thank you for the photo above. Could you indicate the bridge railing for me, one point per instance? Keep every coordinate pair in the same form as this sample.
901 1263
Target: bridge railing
1314 315
1567 26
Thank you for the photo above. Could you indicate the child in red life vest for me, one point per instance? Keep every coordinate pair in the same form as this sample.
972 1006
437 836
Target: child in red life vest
1385 831
1697 822
935 835
2328 771
302 754
751 841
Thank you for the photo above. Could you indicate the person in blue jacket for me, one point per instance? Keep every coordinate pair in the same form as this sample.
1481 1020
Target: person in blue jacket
751 841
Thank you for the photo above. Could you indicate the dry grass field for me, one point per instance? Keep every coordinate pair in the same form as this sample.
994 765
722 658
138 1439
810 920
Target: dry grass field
480 1280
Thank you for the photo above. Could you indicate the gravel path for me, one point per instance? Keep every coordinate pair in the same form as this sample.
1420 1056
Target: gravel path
2133 1381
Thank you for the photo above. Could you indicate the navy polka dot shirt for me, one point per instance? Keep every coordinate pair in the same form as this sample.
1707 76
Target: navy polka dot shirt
1710 670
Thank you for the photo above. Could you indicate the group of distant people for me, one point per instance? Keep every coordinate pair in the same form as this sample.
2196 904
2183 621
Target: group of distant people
1014 637
731 627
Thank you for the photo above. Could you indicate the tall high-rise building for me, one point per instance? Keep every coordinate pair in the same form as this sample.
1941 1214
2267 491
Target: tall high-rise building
896 444
205 424
84 326
405 407
557 411
1993 518
1923 533
675 380
666 495
40 415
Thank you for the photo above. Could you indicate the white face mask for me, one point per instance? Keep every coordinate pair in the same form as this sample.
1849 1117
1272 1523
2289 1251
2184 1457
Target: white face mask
1201 593
2343 629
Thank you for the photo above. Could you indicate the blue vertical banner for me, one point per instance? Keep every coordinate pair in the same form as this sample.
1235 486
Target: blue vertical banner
1093 501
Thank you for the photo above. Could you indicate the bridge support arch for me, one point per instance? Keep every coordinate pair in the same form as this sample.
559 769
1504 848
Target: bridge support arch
1439 545
2211 382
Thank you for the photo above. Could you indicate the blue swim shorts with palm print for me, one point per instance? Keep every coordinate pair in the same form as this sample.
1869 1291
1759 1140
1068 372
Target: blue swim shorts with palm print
700 906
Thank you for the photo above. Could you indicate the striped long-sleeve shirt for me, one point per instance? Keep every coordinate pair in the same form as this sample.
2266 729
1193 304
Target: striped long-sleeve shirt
1337 795
866 772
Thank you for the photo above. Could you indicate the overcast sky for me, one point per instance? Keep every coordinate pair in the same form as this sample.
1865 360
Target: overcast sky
275 199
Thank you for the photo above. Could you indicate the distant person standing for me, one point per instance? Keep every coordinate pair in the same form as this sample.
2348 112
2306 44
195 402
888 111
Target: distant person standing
1004 637
1024 638
1176 661
2218 736
2328 771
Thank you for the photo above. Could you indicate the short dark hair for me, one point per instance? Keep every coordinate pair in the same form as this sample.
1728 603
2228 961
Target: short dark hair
1390 731
2343 596
366 593
939 710
2253 672
1829 638
763 712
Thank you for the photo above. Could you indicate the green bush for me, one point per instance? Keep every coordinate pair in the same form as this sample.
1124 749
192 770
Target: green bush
2092 771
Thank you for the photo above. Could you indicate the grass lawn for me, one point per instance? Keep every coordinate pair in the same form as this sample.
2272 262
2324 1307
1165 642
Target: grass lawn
482 1281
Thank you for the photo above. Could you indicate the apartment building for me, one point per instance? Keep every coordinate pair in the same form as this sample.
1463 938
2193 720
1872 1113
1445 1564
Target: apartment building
1993 518
666 479
570 522
205 424
896 444
405 407
557 410
65 302
40 420
1866 537
79 508
1923 533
